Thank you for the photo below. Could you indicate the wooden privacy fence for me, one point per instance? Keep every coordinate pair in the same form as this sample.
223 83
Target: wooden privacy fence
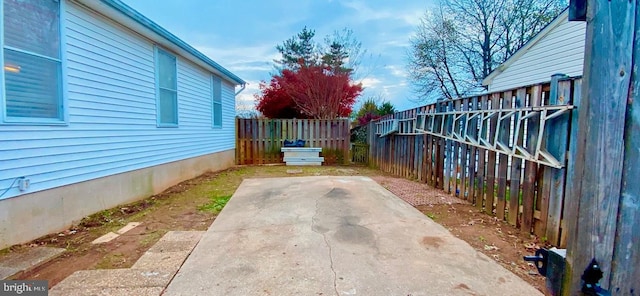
258 141
504 152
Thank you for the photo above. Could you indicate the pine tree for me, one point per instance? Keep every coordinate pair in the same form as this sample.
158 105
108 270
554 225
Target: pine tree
298 50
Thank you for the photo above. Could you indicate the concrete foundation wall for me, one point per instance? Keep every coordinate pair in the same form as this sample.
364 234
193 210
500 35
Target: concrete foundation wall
30 216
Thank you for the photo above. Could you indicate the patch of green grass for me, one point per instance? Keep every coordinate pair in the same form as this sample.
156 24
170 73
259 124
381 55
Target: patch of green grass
110 261
215 204
431 216
152 237
482 239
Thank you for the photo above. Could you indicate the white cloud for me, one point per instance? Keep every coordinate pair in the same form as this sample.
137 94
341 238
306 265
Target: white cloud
242 58
397 71
370 82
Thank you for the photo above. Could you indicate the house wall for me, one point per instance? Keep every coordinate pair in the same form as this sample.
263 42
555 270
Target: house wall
109 89
30 216
560 51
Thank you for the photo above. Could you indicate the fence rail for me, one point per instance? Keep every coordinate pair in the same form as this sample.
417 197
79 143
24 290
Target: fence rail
447 145
258 141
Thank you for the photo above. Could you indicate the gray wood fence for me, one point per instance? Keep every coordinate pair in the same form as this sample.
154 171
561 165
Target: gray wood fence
525 193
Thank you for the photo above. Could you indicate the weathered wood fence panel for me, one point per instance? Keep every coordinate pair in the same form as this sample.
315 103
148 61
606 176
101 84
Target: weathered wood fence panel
525 193
258 141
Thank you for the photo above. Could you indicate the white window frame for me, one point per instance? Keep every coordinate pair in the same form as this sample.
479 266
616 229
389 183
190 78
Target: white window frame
157 52
63 115
216 99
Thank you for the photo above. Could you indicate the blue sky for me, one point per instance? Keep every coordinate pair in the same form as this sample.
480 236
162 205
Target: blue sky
242 35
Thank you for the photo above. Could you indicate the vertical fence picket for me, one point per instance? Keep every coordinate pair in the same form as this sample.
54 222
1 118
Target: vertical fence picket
502 137
455 152
464 153
473 133
482 156
557 145
543 186
491 159
531 168
516 164
447 153
576 98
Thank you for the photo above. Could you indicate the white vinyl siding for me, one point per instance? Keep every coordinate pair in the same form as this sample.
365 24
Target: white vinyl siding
217 101
32 72
560 51
112 124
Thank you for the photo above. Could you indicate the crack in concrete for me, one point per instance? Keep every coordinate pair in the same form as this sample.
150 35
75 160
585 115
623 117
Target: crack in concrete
324 236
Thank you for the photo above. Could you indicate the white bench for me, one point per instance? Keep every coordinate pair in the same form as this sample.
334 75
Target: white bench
302 155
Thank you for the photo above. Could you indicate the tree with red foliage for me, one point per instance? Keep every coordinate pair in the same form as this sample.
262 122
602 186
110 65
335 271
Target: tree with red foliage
274 102
308 92
312 81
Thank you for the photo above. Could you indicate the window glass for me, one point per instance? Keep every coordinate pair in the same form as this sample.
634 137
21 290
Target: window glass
168 106
31 65
217 101
167 88
32 87
167 70
33 26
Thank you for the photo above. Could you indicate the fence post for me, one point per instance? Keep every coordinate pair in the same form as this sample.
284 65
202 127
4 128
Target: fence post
238 145
626 272
602 219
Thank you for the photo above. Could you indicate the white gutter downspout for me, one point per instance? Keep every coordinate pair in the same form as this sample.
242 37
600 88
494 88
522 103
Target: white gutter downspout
241 89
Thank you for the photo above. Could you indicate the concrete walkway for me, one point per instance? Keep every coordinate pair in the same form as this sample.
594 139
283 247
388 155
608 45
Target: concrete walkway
333 236
147 277
12 264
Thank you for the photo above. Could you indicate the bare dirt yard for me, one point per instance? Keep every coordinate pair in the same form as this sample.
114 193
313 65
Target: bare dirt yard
194 204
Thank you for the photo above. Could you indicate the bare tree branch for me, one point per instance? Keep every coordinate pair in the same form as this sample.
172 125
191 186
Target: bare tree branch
460 44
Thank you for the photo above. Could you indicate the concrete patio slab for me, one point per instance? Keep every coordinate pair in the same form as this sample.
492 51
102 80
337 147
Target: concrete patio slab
164 261
15 263
183 236
114 278
169 252
139 291
333 236
6 272
148 276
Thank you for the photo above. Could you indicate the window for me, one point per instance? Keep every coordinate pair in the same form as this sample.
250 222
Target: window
217 101
166 89
32 71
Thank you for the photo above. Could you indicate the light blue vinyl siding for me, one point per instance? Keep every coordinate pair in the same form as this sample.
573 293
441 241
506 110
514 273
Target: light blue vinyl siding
112 128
